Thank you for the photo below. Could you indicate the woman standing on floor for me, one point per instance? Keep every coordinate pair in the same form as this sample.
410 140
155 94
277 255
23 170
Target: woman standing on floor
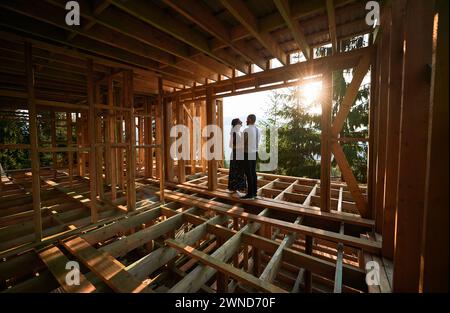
236 177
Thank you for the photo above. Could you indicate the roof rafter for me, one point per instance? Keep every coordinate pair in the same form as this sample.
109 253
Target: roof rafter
332 25
243 14
285 11
200 14
157 18
122 23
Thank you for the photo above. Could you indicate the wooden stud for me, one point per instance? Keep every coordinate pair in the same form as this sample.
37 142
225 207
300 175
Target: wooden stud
111 139
91 129
98 139
69 144
53 139
434 265
131 141
413 138
325 142
168 122
160 164
211 120
393 127
35 160
382 118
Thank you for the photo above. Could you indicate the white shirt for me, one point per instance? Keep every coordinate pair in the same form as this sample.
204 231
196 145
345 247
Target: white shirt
253 135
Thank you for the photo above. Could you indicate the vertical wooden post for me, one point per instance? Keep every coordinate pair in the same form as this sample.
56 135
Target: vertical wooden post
112 139
192 135
168 120
308 274
53 140
181 161
211 119
158 136
131 141
220 123
202 139
160 140
434 267
98 149
69 144
393 126
141 151
120 151
92 128
413 140
199 140
383 83
79 128
325 159
371 183
148 138
35 162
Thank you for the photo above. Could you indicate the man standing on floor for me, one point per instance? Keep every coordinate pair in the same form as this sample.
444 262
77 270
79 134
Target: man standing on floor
251 144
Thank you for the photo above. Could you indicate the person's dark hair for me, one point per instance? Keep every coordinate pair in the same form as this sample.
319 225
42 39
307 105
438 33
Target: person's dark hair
235 122
252 117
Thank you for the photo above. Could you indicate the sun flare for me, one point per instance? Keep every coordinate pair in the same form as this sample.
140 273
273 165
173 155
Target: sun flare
309 94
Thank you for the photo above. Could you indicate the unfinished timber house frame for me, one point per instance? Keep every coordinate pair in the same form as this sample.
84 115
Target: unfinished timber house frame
137 220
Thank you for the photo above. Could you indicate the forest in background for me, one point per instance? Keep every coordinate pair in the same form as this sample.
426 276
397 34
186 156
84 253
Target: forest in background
299 129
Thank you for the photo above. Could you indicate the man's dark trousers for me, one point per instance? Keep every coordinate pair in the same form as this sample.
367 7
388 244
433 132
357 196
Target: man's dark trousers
250 173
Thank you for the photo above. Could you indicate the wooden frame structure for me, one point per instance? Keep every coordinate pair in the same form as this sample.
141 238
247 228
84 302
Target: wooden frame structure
113 88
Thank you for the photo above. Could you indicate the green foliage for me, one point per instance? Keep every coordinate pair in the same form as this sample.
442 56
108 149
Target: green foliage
299 131
14 132
298 135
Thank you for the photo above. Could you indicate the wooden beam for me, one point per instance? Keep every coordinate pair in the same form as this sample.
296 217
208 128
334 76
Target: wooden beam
151 262
352 276
350 94
35 160
131 140
56 262
168 140
434 264
91 129
181 162
325 142
393 127
228 269
211 120
284 8
98 139
382 118
69 144
243 14
201 274
350 179
332 26
122 247
297 71
111 137
160 140
110 271
294 208
413 138
53 142
200 14
157 18
234 211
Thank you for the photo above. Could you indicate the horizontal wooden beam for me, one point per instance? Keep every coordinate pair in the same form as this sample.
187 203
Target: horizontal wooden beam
290 227
280 76
225 268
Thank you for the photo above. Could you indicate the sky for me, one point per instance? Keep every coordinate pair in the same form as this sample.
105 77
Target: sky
239 107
